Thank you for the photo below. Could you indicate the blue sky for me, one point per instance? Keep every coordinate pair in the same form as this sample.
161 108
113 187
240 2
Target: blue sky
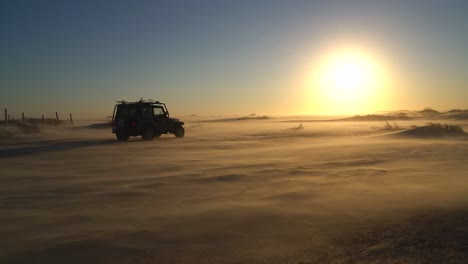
221 57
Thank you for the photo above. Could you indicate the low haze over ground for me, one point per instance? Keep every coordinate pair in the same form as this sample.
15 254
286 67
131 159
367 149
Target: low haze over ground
243 189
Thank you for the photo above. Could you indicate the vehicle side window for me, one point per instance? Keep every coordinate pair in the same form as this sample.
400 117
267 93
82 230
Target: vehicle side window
158 111
126 112
146 112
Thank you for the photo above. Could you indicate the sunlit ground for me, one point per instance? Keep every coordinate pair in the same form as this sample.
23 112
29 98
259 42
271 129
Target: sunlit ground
237 190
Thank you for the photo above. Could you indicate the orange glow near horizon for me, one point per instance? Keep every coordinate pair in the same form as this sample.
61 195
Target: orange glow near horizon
346 81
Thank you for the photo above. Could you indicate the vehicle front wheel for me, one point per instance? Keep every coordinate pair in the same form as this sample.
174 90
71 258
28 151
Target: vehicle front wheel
122 136
148 134
179 131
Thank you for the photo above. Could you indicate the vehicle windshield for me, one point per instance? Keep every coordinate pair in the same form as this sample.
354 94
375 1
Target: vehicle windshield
158 111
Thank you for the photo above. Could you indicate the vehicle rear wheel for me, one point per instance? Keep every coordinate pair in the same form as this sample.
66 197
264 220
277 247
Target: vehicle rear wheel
179 131
148 134
122 136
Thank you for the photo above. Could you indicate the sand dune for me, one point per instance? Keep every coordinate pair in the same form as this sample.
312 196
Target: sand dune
431 132
250 191
427 114
378 118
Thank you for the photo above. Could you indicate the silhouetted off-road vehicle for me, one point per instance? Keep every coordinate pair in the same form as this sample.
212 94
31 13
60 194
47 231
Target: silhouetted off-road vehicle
147 119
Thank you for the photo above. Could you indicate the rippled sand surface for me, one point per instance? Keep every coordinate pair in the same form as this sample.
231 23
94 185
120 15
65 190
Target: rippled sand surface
236 190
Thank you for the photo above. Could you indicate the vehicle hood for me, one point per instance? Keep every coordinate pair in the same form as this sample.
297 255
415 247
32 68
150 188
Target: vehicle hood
176 120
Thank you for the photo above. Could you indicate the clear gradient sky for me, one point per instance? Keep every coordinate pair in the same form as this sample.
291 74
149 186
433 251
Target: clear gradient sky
227 57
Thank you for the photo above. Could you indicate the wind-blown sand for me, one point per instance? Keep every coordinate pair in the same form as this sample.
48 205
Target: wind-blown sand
236 190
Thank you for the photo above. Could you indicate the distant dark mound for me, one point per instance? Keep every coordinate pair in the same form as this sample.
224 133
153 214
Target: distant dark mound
27 127
429 112
459 115
400 116
5 134
432 131
16 126
105 125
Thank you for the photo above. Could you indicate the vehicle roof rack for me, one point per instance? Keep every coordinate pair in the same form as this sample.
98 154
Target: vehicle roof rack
151 101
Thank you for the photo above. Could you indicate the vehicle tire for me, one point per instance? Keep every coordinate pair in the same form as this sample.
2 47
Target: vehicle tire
179 131
148 134
122 136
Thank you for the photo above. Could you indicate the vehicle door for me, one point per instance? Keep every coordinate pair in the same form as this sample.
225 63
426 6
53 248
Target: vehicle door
160 119
146 117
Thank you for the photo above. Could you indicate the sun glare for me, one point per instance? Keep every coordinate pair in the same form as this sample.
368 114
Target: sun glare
346 81
347 75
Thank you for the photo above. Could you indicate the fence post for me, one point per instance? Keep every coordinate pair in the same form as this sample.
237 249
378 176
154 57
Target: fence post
22 116
42 118
6 117
71 119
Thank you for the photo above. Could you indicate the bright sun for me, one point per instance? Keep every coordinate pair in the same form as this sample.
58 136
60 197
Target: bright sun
345 81
348 75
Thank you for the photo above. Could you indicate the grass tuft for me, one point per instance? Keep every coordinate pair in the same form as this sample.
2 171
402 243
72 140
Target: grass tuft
388 126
